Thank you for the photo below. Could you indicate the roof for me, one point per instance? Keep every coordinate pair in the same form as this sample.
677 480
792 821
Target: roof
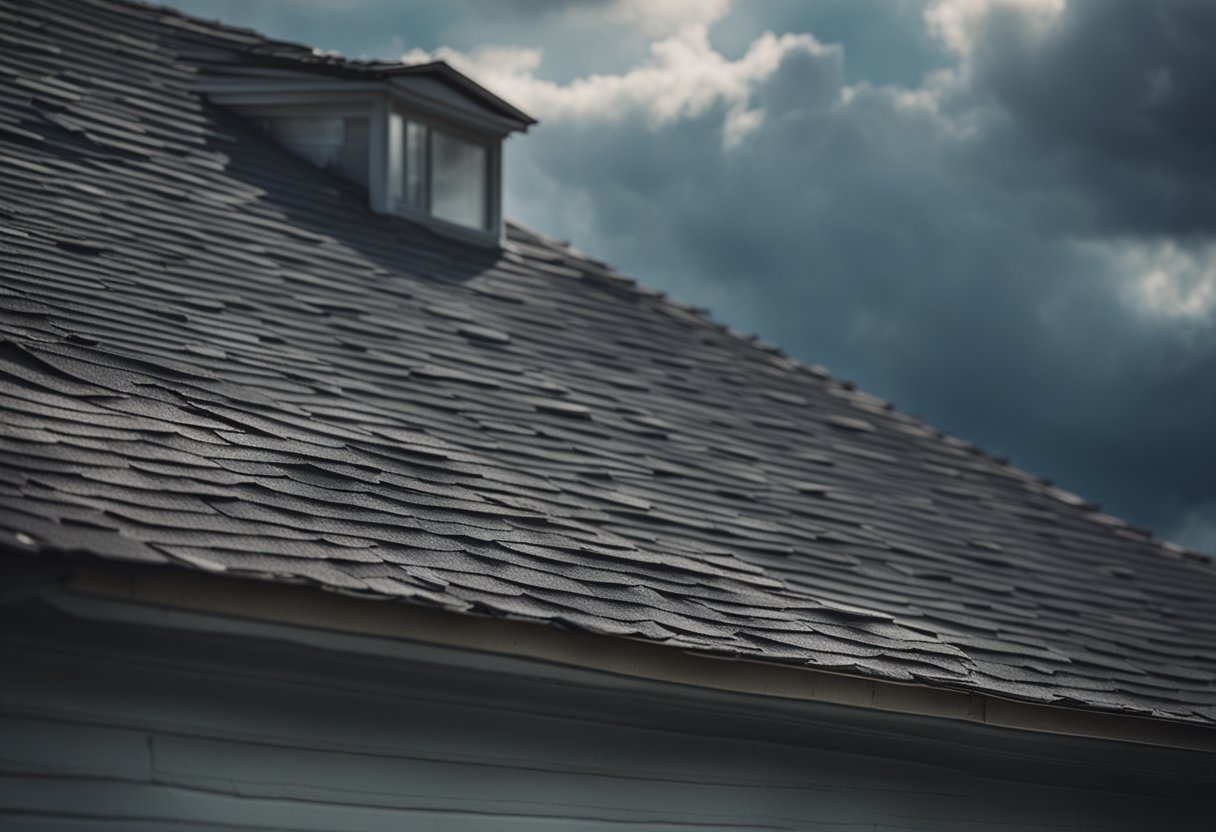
215 358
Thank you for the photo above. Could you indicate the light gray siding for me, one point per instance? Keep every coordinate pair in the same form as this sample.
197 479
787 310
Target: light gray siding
118 727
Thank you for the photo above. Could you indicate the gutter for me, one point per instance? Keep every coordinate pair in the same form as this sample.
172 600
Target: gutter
102 589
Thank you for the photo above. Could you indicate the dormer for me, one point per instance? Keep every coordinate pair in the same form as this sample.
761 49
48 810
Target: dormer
425 141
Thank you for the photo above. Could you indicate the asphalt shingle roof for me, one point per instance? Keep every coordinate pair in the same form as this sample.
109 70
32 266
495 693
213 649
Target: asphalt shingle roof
214 357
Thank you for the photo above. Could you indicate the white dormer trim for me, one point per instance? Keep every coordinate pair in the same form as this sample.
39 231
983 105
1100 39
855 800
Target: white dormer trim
434 96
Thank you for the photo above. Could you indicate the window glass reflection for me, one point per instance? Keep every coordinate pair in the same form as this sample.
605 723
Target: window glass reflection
458 180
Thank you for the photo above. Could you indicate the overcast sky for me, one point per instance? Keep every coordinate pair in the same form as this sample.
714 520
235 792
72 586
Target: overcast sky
999 214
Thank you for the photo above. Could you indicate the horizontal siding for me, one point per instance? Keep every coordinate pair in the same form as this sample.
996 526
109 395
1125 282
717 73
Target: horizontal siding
23 822
156 805
278 783
133 739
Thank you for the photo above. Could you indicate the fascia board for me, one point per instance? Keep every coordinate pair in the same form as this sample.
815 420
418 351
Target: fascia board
235 94
475 91
312 608
139 635
263 92
483 123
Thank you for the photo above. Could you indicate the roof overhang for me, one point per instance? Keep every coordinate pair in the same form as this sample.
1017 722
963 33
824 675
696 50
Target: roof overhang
435 90
172 597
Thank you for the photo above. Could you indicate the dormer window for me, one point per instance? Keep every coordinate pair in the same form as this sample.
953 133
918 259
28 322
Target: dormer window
438 173
330 142
425 141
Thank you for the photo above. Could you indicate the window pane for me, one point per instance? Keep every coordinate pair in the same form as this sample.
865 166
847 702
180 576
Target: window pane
396 149
458 180
330 142
413 167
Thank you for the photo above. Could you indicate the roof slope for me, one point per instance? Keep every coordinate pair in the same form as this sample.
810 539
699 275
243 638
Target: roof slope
214 357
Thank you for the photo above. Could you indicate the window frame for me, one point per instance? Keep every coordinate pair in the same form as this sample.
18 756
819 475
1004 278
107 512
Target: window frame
397 119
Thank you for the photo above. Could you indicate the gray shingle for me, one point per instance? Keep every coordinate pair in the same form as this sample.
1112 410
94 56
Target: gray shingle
213 357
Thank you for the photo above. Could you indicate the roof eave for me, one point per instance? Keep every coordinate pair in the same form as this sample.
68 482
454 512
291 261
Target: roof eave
303 606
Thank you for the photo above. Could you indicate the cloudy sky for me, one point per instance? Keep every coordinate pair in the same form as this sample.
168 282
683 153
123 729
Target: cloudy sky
999 214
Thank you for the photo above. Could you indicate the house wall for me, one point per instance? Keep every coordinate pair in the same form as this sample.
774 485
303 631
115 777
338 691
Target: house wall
118 726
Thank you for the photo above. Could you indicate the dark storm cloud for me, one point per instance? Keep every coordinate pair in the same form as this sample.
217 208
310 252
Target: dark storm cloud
1120 96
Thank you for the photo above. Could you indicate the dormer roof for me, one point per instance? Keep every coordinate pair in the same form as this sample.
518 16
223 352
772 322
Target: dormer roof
436 85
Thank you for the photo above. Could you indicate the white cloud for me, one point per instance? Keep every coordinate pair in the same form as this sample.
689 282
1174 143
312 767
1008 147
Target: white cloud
740 122
957 22
684 77
1168 280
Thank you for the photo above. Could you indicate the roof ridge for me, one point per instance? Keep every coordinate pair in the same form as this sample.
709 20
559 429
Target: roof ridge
167 13
257 42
